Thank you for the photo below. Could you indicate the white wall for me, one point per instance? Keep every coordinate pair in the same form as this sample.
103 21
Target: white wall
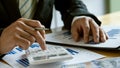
97 7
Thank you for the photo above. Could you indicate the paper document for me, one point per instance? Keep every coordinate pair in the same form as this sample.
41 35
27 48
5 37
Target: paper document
102 63
17 58
64 37
3 65
107 63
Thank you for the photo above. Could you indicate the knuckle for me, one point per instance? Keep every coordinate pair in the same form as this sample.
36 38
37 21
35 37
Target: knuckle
15 36
43 42
96 30
36 21
35 33
84 18
16 30
87 29
27 43
97 36
19 23
32 39
20 19
43 26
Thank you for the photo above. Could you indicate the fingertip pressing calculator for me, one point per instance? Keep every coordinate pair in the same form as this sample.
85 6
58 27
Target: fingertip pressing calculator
52 54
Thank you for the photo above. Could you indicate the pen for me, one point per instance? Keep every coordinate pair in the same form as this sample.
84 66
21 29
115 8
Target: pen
41 28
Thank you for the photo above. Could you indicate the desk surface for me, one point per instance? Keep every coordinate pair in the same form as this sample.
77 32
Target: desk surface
108 19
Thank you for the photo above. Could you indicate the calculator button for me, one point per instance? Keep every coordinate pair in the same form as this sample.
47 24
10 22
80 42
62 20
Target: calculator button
52 54
62 54
39 57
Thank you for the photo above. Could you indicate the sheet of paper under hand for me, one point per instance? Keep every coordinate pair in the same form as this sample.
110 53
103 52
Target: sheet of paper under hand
64 38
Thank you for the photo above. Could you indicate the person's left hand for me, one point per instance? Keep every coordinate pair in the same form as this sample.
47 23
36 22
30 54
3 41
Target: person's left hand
85 26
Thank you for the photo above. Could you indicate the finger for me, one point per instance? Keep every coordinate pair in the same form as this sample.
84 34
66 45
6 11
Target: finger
29 22
102 35
86 31
95 31
33 24
39 38
39 35
22 42
41 41
75 35
42 32
25 35
106 35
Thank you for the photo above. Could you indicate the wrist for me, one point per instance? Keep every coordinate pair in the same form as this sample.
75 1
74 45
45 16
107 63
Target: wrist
77 17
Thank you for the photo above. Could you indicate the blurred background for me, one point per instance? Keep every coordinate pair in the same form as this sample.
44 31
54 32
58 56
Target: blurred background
97 7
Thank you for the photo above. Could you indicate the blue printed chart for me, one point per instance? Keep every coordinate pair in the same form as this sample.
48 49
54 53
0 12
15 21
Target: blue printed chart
17 57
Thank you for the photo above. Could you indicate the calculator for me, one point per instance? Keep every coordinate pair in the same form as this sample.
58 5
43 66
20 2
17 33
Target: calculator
52 54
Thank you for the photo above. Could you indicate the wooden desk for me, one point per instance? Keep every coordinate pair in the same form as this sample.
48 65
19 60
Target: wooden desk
110 19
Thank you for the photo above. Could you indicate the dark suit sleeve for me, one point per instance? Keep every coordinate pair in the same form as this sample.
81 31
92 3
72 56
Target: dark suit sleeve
1 56
1 29
71 8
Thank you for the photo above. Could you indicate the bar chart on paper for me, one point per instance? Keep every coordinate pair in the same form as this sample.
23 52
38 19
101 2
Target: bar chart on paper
17 58
64 38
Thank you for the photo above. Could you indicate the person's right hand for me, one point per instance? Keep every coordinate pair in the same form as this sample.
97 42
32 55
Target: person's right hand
21 33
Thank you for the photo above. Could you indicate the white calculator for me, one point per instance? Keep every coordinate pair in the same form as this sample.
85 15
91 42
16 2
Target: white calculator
36 55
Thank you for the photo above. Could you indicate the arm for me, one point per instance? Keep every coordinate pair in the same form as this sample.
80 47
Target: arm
71 8
21 33
87 24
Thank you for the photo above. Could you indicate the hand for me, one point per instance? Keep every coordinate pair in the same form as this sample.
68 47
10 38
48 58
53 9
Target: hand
86 26
21 33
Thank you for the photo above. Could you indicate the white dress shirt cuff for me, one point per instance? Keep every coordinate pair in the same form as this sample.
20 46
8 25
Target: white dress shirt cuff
77 17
